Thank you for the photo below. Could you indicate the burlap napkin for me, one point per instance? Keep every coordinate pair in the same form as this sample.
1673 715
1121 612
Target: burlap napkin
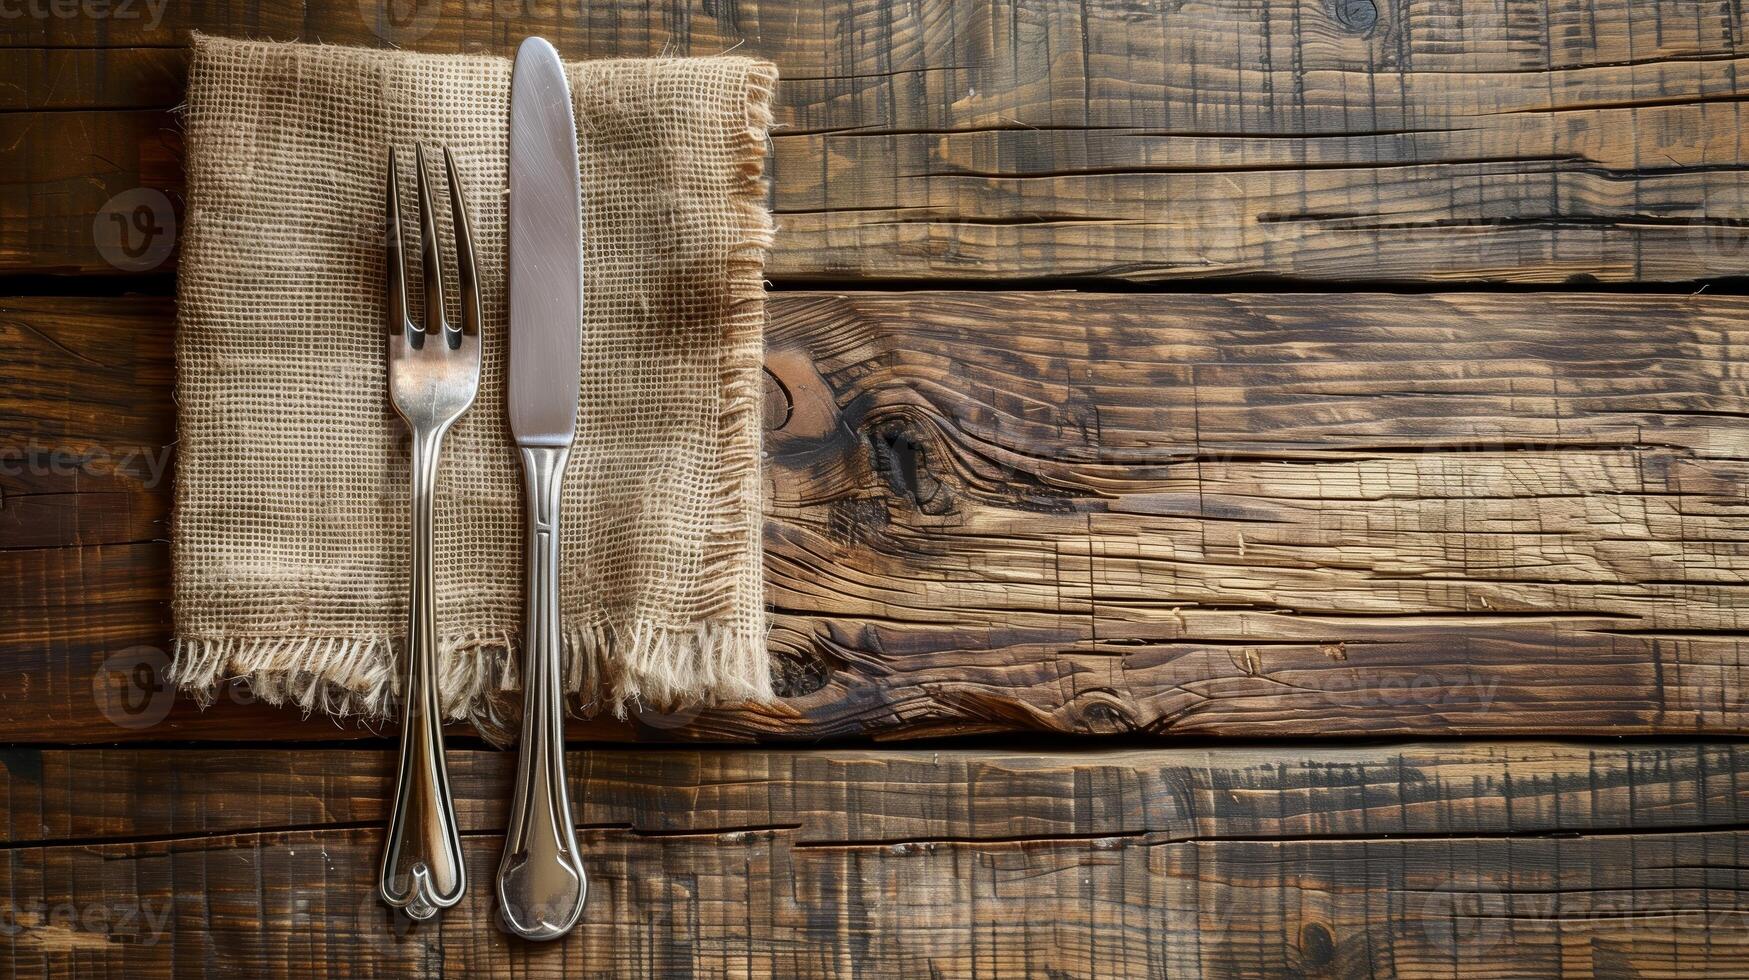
291 523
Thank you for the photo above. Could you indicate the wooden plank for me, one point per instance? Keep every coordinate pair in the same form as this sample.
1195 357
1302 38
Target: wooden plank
1593 139
1431 860
67 79
742 904
1070 512
842 796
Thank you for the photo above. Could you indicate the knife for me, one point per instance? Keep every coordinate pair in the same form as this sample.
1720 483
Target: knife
541 884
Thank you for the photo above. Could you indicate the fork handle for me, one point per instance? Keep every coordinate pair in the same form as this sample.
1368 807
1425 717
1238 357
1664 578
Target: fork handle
423 845
541 884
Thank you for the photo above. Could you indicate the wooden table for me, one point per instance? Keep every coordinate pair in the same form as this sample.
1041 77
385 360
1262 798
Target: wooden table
1257 490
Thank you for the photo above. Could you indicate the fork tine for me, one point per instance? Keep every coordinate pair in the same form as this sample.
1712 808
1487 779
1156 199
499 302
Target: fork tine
431 262
392 252
464 250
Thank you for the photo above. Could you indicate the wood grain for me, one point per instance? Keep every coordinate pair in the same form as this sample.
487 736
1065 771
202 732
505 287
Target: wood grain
55 797
1081 513
1360 140
1509 859
1307 516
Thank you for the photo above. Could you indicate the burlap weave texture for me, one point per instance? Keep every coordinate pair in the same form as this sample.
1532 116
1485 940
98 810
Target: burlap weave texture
291 521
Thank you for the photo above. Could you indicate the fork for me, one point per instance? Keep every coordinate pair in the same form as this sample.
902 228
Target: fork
433 375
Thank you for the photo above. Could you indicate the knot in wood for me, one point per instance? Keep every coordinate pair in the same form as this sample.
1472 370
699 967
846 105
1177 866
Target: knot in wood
1358 16
1317 945
1104 718
779 404
799 673
899 455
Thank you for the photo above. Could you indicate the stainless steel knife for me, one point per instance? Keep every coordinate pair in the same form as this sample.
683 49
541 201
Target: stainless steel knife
541 884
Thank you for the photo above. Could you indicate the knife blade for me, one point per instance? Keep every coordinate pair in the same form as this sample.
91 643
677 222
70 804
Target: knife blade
546 250
541 883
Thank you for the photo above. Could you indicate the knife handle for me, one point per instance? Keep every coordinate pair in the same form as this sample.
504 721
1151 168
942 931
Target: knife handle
541 884
422 856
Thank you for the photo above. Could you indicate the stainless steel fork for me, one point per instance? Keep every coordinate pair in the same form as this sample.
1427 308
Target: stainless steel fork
433 375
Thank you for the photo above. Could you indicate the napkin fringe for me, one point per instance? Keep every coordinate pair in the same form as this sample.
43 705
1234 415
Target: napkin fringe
645 666
649 666
339 676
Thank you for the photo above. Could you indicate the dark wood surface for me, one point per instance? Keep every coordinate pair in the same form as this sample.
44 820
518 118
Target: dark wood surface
1167 551
1234 515
1326 139
1511 859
